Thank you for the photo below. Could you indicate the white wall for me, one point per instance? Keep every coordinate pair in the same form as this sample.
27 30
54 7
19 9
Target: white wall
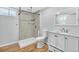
47 18
8 29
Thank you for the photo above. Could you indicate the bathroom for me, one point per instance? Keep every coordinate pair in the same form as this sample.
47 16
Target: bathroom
39 29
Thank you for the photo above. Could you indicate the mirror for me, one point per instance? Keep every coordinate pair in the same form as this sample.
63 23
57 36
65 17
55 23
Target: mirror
67 17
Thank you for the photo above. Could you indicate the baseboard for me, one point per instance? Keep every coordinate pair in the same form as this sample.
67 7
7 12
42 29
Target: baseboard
8 44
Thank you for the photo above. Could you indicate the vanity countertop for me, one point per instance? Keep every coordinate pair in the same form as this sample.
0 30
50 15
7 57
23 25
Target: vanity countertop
68 34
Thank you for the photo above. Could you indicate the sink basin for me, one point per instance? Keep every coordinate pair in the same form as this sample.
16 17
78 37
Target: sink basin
69 34
57 31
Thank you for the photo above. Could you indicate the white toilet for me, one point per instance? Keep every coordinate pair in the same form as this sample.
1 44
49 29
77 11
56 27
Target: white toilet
42 38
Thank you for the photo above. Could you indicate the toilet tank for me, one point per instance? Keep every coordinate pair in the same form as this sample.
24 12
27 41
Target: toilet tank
44 34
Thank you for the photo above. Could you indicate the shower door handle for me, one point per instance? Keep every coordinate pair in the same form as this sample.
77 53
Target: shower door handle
16 24
35 26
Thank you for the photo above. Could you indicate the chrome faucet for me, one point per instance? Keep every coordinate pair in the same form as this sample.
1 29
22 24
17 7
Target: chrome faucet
64 30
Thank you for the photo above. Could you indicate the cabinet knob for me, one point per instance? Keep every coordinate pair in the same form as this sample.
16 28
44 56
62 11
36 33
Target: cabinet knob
16 24
56 36
65 37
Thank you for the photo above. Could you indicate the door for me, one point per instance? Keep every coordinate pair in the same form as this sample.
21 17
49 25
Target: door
71 44
27 26
36 18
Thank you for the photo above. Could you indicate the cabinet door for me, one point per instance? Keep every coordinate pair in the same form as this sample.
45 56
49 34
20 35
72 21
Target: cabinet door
52 39
60 42
71 44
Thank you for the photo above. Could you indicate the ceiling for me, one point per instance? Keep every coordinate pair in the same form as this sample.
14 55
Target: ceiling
36 9
33 9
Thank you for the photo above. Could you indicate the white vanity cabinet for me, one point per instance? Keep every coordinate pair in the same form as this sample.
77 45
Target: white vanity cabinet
65 43
52 39
56 40
60 42
71 44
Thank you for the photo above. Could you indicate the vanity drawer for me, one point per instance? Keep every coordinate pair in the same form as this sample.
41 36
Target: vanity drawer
50 49
52 39
54 49
57 50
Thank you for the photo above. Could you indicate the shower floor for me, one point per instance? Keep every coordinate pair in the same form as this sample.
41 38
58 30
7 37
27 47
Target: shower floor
30 48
